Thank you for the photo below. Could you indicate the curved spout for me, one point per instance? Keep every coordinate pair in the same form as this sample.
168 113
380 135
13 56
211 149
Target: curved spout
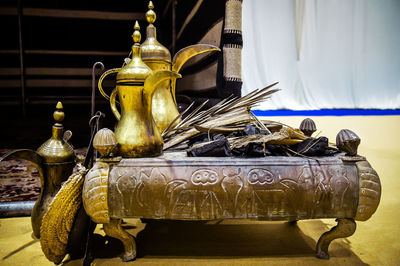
183 55
38 162
27 155
154 79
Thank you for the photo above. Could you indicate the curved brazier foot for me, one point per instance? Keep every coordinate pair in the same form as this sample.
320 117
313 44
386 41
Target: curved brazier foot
115 230
344 228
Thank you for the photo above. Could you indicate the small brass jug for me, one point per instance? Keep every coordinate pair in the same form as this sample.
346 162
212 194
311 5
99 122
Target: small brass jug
136 131
54 160
157 57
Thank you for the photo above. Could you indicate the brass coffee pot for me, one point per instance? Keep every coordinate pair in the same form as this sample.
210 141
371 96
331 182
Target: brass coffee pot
157 57
54 160
136 131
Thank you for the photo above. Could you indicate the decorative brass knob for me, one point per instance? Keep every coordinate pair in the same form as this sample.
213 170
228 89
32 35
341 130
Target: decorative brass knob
308 127
105 142
347 141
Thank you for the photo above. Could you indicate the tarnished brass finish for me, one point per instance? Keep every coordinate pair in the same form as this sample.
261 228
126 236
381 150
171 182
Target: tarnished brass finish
271 188
114 229
95 193
105 142
347 141
158 58
308 127
55 160
59 219
56 150
176 187
370 191
345 228
136 131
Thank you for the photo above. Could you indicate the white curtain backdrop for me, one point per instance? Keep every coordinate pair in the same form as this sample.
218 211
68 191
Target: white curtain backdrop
324 53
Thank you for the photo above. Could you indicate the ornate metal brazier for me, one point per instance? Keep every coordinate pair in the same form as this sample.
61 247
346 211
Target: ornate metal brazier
177 187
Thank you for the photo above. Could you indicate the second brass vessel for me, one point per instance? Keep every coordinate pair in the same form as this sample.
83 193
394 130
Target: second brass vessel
158 58
136 131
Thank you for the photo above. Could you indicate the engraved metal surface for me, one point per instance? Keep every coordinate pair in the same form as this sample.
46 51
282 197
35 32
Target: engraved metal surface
272 188
370 191
95 193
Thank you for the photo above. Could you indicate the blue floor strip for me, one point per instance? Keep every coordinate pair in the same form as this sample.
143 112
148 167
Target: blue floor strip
327 112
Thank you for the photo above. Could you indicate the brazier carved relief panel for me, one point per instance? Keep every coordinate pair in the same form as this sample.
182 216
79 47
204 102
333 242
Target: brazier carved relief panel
258 189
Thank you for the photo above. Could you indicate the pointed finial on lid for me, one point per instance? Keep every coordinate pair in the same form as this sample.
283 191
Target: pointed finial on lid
58 114
136 34
151 15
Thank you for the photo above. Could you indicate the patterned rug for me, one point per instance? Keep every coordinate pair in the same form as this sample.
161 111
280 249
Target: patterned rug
19 180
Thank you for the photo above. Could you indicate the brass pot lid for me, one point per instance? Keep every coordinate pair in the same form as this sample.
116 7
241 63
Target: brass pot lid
55 149
152 50
136 70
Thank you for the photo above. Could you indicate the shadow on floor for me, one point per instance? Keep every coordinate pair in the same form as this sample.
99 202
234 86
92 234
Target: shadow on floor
198 240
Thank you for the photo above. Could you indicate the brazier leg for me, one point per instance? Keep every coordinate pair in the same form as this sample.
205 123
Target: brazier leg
344 228
115 230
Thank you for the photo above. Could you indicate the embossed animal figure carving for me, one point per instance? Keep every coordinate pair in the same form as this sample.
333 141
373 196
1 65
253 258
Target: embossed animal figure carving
269 193
196 197
339 183
148 191
232 184
306 185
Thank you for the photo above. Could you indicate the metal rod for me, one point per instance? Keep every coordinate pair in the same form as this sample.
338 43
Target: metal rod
166 8
174 2
93 102
16 208
21 59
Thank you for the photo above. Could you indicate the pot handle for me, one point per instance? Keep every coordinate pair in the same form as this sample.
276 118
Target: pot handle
101 79
112 104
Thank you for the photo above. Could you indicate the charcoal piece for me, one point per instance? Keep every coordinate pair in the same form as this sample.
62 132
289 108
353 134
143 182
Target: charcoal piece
217 148
204 137
236 134
239 152
312 147
250 150
218 137
255 150
200 138
276 150
250 130
264 132
258 150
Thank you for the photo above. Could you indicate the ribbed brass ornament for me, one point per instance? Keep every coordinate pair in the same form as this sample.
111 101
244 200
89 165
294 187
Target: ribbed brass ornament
308 127
136 131
105 142
348 141
158 58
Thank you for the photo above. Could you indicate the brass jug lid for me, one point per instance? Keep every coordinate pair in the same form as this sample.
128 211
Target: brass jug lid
136 69
55 149
151 48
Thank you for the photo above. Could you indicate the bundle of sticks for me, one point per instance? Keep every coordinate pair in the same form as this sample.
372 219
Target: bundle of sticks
228 116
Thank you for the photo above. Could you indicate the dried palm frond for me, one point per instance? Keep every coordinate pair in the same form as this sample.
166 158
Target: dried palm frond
285 136
228 113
